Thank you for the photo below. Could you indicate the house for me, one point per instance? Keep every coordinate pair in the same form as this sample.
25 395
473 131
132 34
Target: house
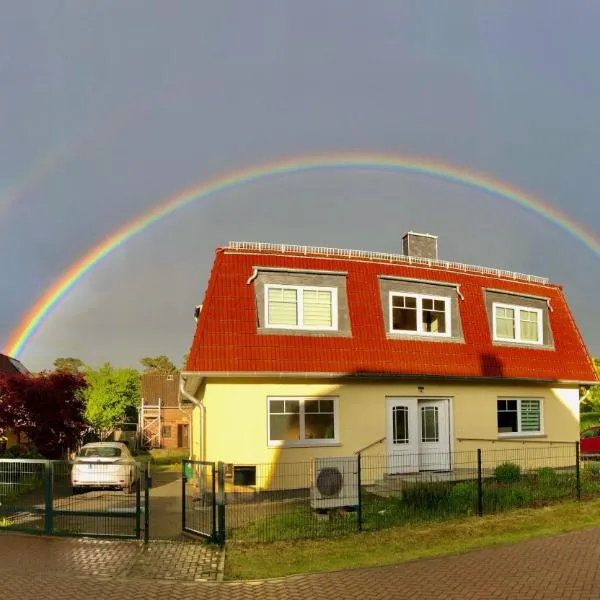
304 352
162 423
10 366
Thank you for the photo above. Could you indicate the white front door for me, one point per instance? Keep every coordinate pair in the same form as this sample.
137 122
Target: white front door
402 435
418 435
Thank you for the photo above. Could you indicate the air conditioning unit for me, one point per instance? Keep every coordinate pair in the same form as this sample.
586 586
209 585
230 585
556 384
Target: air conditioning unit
335 482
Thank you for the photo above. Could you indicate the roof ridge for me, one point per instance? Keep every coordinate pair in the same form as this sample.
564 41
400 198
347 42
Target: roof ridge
294 249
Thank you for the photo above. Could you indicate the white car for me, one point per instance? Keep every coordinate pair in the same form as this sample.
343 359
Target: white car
103 465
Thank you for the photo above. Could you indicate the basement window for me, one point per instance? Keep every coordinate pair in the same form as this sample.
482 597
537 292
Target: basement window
244 475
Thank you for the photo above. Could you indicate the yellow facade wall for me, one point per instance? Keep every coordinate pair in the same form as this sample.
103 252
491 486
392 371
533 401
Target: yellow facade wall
236 423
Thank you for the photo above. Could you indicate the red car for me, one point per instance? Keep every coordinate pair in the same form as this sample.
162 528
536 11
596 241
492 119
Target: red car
590 440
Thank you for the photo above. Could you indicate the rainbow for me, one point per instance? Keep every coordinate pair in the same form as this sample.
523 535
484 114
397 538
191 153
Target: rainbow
382 162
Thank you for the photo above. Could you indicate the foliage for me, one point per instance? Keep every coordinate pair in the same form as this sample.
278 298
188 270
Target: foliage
160 365
547 475
463 497
19 451
112 397
507 473
587 419
69 364
593 468
427 496
47 408
591 403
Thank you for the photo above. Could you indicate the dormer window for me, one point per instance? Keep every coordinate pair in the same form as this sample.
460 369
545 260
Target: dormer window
521 324
301 307
420 314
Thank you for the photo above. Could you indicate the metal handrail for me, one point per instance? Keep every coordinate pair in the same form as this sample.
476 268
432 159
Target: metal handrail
370 445
515 440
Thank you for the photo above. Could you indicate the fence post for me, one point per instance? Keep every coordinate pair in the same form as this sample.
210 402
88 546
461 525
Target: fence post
577 471
213 500
479 484
358 467
48 500
183 491
147 483
138 501
220 537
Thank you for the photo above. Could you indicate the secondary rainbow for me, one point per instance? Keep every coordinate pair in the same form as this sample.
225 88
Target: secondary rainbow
383 162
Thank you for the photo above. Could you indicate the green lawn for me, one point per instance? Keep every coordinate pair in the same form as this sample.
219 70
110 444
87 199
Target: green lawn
400 544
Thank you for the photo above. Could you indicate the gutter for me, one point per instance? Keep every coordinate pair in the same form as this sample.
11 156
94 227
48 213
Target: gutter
198 404
365 376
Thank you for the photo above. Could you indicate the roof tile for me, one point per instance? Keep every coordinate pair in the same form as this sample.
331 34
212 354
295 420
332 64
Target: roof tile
226 338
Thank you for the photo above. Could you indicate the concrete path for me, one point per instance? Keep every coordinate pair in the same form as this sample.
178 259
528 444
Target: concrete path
563 567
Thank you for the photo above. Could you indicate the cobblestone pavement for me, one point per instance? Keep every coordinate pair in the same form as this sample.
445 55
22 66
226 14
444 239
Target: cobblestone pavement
562 567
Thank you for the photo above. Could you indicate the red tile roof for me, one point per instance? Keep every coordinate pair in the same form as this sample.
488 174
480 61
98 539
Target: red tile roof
227 341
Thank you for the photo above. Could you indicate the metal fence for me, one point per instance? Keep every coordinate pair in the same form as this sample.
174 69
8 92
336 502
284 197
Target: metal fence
40 496
333 496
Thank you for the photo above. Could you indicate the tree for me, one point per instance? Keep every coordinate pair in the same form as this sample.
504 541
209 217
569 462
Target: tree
47 408
591 402
112 397
160 365
186 357
70 364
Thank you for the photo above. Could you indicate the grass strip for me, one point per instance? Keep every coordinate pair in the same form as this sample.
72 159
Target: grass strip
401 544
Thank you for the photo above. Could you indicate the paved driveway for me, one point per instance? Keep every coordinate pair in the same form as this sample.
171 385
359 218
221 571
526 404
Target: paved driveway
562 567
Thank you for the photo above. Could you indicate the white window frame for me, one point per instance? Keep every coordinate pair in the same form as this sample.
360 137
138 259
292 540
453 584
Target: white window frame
517 324
300 289
513 434
419 331
302 442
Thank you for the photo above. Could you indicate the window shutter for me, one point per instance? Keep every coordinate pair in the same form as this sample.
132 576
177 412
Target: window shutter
317 308
529 326
283 307
505 322
530 415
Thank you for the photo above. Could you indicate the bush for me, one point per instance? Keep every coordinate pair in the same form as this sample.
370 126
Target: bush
18 451
592 468
427 496
507 473
463 497
547 476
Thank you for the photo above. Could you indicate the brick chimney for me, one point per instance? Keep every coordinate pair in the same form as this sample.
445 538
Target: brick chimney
421 245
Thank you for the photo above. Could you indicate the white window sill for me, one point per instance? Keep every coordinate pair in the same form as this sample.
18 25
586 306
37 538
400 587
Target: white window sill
519 342
503 436
305 444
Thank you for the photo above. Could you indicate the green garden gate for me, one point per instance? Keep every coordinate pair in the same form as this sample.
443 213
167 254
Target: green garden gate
36 497
202 500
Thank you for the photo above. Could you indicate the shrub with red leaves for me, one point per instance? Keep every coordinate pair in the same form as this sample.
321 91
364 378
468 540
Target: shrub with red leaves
47 408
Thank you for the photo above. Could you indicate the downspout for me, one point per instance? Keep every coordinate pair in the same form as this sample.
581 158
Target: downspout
202 408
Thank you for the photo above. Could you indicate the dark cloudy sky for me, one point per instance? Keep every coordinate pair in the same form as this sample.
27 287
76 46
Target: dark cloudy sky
108 107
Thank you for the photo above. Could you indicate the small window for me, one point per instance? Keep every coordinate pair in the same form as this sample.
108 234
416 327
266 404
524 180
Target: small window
421 315
244 475
302 421
166 431
519 416
296 307
518 324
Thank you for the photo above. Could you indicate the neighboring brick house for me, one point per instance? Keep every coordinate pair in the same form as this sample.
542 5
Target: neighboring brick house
163 423
10 366
303 352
